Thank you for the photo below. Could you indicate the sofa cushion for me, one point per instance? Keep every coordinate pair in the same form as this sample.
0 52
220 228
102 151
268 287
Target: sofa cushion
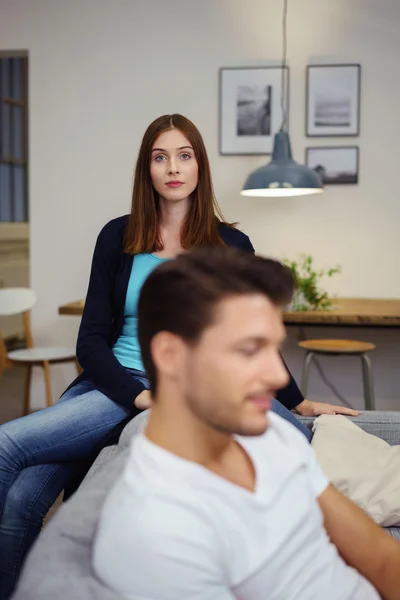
362 466
394 532
59 566
384 424
135 426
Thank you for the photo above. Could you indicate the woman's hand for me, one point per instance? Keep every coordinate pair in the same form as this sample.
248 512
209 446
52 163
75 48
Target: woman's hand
143 400
313 409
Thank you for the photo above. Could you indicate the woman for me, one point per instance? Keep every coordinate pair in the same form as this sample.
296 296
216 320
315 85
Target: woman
173 209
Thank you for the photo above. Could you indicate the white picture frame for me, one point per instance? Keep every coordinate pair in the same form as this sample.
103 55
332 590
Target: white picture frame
333 100
250 110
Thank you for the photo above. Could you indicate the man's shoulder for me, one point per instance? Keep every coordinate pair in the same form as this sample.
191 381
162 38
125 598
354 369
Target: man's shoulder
155 518
162 486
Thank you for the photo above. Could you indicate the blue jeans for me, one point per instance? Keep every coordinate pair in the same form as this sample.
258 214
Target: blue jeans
39 456
283 412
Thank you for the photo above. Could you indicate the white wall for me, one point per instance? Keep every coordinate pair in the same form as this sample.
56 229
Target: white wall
101 70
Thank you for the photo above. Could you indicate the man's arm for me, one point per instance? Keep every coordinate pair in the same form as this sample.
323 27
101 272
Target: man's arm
362 543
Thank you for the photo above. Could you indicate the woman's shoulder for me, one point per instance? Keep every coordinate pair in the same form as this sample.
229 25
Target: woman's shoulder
234 237
114 230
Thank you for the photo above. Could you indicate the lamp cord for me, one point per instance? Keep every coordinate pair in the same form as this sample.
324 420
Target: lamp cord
283 66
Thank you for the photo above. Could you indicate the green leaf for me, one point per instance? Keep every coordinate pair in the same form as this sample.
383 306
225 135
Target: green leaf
307 282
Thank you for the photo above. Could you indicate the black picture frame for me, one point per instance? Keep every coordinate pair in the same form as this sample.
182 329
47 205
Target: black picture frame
326 159
345 83
233 140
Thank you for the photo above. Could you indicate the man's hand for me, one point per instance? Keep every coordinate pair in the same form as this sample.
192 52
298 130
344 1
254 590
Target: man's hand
143 400
313 409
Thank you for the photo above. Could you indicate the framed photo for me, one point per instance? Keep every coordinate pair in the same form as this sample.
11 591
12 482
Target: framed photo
333 100
250 110
335 164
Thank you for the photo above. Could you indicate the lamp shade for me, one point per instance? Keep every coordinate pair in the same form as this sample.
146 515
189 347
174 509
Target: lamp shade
282 176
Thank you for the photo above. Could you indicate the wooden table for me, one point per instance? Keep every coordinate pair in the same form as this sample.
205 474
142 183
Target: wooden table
354 312
72 308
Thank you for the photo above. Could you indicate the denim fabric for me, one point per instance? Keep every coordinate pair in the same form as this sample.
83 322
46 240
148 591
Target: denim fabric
283 412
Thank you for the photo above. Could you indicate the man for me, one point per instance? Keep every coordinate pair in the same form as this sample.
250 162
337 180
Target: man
221 499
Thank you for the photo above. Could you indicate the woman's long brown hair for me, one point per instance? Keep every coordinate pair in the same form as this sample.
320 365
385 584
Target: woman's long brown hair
201 224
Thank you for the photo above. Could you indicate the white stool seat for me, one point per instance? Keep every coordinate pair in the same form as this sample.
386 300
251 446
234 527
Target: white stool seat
15 301
49 354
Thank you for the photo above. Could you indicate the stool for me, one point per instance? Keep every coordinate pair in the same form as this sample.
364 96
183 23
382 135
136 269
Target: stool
340 348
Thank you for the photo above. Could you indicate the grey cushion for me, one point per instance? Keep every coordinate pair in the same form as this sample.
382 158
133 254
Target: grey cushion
384 424
134 426
59 565
394 532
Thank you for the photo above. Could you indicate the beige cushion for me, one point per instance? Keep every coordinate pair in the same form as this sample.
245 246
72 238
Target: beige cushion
363 467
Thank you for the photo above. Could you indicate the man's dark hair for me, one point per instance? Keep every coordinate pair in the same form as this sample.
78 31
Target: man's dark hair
180 295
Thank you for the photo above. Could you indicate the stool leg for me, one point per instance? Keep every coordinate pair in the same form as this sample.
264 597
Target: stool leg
47 380
27 392
368 382
306 372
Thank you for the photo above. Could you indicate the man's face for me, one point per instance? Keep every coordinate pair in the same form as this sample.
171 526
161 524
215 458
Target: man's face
228 379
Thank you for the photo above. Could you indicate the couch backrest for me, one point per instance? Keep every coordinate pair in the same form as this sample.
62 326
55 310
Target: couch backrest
384 424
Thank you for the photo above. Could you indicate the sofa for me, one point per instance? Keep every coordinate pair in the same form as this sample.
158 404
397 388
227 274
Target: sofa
59 564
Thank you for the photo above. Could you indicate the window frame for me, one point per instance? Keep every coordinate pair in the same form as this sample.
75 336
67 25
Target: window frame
13 227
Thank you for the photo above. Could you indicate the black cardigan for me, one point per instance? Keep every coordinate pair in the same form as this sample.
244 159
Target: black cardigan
103 316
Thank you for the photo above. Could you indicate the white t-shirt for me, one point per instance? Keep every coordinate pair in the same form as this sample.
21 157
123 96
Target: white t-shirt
173 530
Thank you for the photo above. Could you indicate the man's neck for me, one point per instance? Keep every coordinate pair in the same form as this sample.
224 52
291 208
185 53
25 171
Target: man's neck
175 429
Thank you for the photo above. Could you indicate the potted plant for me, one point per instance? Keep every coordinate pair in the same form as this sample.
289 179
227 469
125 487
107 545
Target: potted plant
308 293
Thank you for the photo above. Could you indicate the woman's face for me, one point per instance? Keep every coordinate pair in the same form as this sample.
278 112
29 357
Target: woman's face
173 166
